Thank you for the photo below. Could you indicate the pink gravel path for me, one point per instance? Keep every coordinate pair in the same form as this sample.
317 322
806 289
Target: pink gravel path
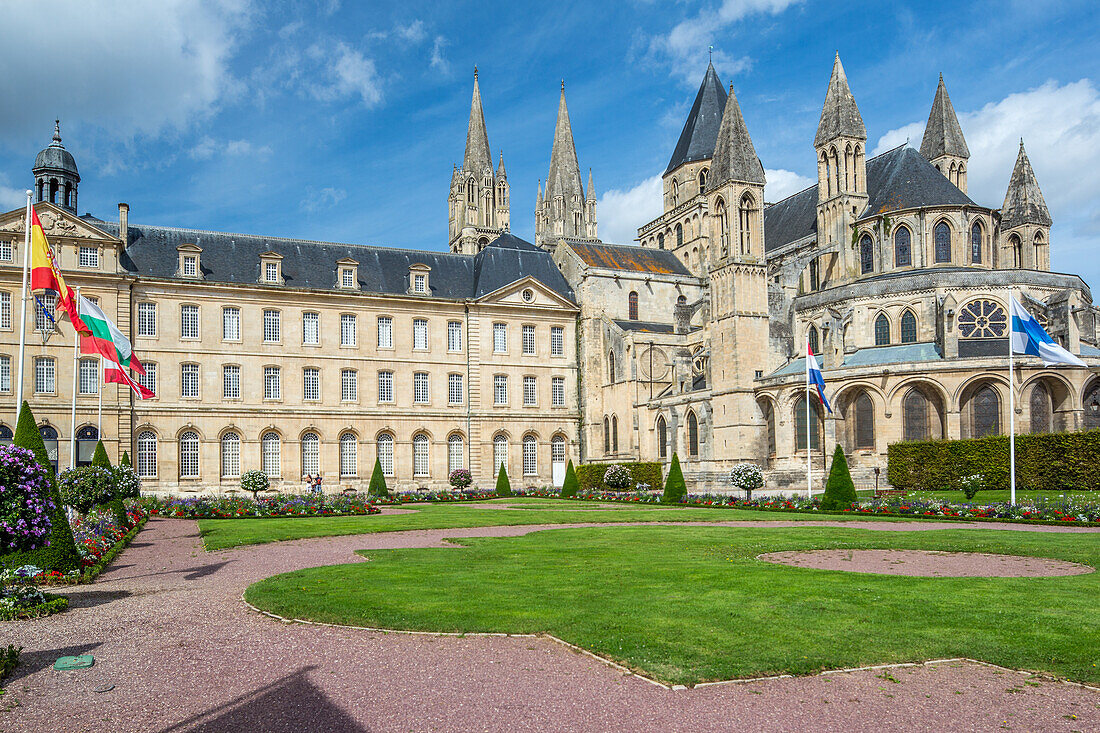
169 630
928 564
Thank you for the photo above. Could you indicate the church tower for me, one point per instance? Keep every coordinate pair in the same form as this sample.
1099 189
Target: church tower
943 144
840 143
1025 220
564 210
55 173
478 201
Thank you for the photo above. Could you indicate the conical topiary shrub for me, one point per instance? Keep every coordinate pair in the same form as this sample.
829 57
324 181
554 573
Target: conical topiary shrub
61 553
675 488
115 505
503 487
570 486
378 481
125 459
840 492
99 458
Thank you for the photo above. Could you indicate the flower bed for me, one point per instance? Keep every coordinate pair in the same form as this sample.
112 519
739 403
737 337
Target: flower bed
414 497
281 505
99 538
21 599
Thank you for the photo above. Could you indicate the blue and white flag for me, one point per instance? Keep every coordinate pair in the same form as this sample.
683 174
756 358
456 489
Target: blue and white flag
813 376
1028 337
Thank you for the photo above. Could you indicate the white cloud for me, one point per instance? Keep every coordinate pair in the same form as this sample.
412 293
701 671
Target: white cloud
782 183
208 147
142 70
620 213
910 133
439 61
325 198
11 198
413 32
348 73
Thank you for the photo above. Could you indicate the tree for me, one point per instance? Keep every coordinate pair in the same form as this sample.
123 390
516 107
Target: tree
840 492
378 481
125 459
99 458
570 486
255 482
61 553
115 505
503 487
675 488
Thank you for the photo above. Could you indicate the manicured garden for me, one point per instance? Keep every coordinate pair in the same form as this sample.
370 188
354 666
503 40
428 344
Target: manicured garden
691 604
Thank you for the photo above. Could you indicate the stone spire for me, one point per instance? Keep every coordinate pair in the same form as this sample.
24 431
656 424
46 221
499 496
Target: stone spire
478 157
942 134
500 168
1024 203
590 191
564 211
701 128
735 157
839 115
538 199
564 178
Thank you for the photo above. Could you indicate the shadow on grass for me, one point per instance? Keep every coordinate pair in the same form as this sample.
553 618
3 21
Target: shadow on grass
31 662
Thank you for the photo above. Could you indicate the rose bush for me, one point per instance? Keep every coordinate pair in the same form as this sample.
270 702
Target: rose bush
25 503
617 477
85 487
127 482
460 478
254 482
747 477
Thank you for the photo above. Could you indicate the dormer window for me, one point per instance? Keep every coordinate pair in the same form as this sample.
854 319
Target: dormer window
420 283
347 274
271 268
418 279
189 264
271 272
347 278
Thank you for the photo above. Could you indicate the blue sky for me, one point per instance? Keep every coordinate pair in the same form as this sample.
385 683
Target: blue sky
341 121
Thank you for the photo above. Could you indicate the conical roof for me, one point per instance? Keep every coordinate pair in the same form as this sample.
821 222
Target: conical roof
55 157
942 134
590 192
701 128
564 178
478 158
735 157
501 173
1024 203
839 115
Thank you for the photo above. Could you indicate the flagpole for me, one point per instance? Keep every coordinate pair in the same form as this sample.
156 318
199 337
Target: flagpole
102 385
23 306
809 451
76 370
1011 408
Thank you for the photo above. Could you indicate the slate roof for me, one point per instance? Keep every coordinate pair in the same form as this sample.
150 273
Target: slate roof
942 134
628 258
55 156
1024 202
645 326
839 114
1087 350
896 354
734 155
897 179
235 258
701 128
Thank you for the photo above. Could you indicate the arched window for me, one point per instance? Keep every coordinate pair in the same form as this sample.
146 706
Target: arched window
675 191
722 220
1040 409
800 424
530 456
146 454
311 454
693 435
471 192
863 412
456 450
769 418
611 366
661 241
53 190
985 412
49 438
271 455
745 223
1092 408
1017 251
557 453
606 435
703 180
420 455
942 237
632 306
189 455
976 243
231 455
349 455
866 254
908 327
662 438
812 339
903 252
500 453
882 330
679 235
385 453
5 435
614 433
681 300
915 416
86 439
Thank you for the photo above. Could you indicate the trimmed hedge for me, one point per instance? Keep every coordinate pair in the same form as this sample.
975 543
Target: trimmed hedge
570 485
377 481
675 488
840 492
590 475
504 487
1044 462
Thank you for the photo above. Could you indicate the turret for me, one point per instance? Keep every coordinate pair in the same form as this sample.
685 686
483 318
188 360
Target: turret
1025 219
735 191
943 144
55 174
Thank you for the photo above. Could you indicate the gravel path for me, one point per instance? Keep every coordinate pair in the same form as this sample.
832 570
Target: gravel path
169 631
928 563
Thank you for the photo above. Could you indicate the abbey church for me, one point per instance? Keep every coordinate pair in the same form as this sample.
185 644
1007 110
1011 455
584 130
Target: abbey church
299 357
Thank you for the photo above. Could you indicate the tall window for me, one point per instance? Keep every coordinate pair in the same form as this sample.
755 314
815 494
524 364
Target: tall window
903 252
273 386
420 388
147 319
420 455
530 456
271 461
882 330
349 385
614 433
146 454
420 333
662 437
745 223
149 379
769 418
349 459
611 366
6 251
915 416
557 392
1040 405
530 391
454 336
347 329
189 321
528 333
385 386
454 389
189 455
679 235
800 424
385 453
45 307
942 238
976 243
606 435
420 283
661 241
500 338
722 220
693 435
89 376
231 324
88 256
190 266
454 453
311 328
500 453
863 412
231 455
311 454
231 381
812 339
632 306
272 327
5 374
385 332
5 309
908 327
44 375
557 341
500 389
557 450
189 380
985 413
311 383
271 272
866 254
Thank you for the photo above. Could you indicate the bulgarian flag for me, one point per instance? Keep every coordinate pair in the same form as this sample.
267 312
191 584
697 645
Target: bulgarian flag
45 274
105 339
112 372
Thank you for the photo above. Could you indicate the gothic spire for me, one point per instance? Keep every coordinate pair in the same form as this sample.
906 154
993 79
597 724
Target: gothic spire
590 194
500 168
564 178
1024 203
735 157
839 115
538 199
942 134
478 157
701 128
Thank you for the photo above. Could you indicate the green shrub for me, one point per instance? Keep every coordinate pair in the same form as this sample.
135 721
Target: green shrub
254 481
840 492
99 458
971 485
378 481
570 485
675 488
125 459
86 486
127 482
24 501
9 658
503 487
590 476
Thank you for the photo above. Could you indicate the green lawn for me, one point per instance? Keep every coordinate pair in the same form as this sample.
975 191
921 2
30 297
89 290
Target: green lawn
690 604
219 534
994 496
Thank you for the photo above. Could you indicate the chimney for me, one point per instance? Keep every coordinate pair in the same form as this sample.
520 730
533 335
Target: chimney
123 223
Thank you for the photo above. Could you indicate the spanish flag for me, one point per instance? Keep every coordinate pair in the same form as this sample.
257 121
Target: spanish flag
45 274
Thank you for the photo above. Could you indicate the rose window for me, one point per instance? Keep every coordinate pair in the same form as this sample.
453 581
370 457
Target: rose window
982 319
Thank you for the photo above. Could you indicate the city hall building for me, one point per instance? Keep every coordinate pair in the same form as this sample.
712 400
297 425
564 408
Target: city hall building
301 357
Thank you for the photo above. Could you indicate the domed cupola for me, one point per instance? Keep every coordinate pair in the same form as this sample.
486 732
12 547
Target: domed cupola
55 173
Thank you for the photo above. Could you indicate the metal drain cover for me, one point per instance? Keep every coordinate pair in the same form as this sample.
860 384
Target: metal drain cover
81 661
